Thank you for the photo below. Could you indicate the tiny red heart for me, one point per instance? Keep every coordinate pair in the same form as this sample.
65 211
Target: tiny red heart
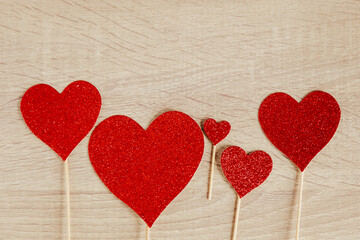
245 172
300 130
147 169
215 131
61 120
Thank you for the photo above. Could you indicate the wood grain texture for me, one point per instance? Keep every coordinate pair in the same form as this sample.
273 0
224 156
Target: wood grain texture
215 59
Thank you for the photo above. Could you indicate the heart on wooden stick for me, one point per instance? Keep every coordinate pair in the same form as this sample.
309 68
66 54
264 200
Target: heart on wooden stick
245 173
300 130
216 132
147 169
61 120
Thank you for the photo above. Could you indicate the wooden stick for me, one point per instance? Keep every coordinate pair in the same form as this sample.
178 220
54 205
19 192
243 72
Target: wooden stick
237 213
211 171
299 206
67 186
147 232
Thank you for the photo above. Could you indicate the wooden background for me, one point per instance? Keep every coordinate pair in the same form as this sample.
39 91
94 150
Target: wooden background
215 59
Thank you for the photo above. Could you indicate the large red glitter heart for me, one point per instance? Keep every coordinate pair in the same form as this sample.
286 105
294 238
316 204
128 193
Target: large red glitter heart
300 130
216 131
147 169
61 120
245 172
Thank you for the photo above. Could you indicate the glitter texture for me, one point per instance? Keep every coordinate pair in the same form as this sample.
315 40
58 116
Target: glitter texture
245 172
147 169
300 130
216 132
61 120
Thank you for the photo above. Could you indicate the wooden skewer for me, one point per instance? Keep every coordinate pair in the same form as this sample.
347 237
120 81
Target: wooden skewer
147 232
67 186
299 206
237 213
211 171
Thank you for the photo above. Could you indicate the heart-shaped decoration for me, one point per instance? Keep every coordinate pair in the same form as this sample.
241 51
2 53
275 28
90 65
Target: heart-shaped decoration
215 131
147 169
245 172
300 130
61 120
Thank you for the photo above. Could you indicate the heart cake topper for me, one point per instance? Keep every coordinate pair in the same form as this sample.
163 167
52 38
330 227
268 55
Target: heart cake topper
215 131
61 120
147 169
300 130
245 172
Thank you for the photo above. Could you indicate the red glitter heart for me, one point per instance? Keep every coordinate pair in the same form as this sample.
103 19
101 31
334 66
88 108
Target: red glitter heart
147 169
300 130
61 120
216 132
245 172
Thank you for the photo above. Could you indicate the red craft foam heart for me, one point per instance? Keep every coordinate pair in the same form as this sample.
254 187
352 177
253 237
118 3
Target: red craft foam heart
61 120
147 169
245 172
300 130
216 132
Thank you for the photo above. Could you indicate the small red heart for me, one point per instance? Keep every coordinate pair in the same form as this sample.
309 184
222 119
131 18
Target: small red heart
61 120
300 130
245 172
147 169
216 132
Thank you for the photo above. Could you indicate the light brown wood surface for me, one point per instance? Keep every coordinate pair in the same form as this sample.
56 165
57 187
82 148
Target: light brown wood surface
215 59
